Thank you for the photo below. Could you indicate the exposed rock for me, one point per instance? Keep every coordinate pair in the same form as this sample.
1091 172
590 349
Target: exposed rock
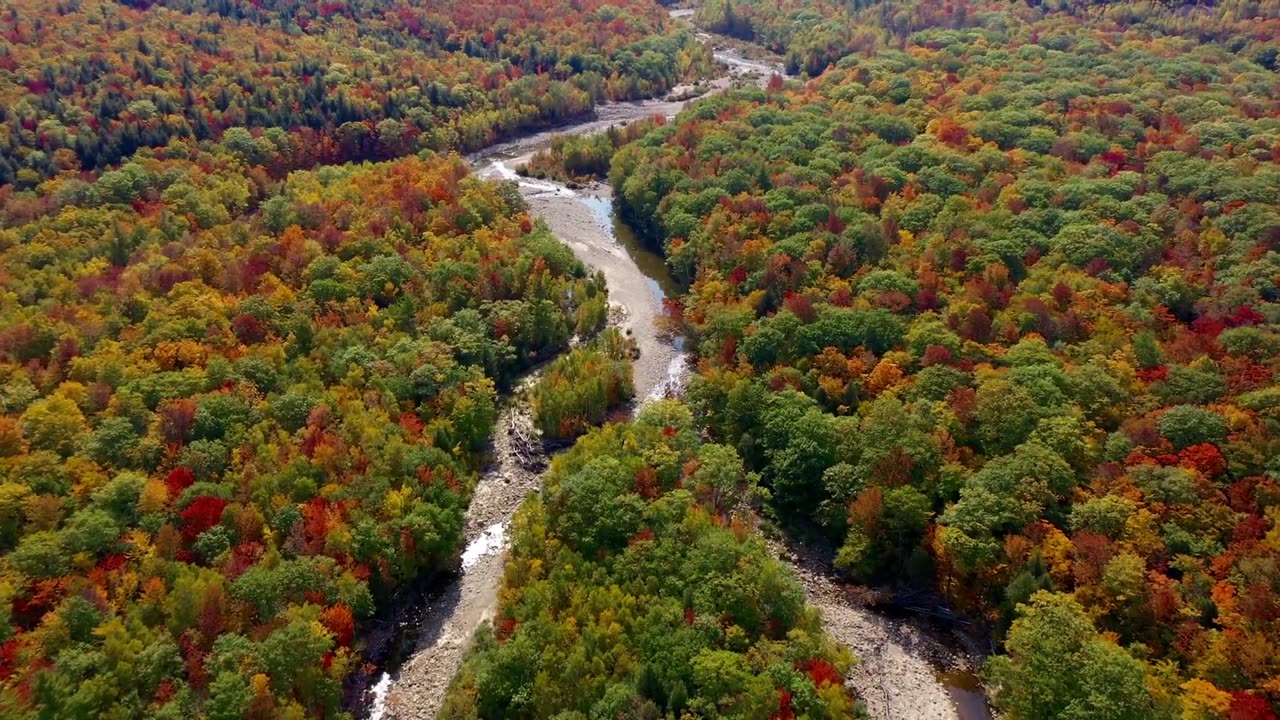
896 673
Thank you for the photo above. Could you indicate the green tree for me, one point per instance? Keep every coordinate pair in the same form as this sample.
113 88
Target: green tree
1187 425
800 443
1057 667
54 423
720 675
1006 415
113 442
40 555
91 530
719 477
595 507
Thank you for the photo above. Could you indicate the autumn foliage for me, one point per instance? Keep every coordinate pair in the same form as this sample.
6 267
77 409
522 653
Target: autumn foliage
683 601
290 85
992 300
238 414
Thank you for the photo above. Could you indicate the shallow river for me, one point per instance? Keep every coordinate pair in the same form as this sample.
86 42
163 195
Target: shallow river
903 673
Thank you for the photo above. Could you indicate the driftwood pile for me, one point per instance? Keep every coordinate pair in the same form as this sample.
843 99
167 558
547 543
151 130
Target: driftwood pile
526 443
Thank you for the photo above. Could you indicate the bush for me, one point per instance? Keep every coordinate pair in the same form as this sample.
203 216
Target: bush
579 389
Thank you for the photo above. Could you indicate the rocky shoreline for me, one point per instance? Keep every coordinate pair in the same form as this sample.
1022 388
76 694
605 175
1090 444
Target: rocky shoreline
447 630
899 660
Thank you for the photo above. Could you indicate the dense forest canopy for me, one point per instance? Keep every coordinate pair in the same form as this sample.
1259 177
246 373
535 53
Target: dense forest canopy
813 34
987 297
245 392
992 303
636 588
84 83
228 435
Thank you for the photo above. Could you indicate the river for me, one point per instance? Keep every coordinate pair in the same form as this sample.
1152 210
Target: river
902 673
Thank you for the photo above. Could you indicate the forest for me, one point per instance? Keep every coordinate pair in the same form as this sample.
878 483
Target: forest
991 304
577 158
985 296
225 440
581 387
637 588
85 83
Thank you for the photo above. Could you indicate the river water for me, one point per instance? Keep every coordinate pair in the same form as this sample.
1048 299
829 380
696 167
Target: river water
898 664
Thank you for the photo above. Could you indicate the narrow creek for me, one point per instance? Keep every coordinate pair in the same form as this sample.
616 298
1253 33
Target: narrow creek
903 673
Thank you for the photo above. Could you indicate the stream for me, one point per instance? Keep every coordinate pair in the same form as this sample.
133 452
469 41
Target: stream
903 673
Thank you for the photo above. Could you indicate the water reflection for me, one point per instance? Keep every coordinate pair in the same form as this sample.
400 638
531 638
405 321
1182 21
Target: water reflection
967 693
657 274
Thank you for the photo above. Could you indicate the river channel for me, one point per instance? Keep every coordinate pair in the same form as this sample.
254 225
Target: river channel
903 672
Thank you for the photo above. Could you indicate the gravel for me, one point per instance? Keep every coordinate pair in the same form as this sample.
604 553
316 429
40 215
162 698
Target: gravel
897 670
418 691
473 598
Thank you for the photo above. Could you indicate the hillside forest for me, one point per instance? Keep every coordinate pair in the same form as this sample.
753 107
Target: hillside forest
983 296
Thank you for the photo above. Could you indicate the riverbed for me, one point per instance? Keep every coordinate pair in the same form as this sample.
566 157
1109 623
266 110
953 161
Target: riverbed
907 669
904 673
638 281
